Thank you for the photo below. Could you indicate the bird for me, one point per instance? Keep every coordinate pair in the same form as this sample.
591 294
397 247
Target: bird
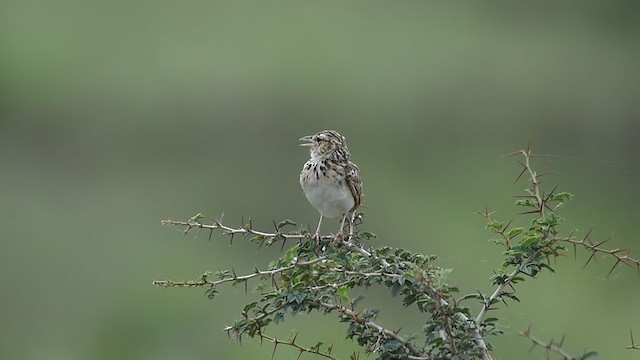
330 180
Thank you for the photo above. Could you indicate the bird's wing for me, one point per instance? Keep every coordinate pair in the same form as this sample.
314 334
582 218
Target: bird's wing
355 183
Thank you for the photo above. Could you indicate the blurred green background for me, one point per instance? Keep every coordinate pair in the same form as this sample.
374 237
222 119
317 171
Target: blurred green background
115 115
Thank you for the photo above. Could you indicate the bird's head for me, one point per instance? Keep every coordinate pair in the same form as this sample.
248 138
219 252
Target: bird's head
326 143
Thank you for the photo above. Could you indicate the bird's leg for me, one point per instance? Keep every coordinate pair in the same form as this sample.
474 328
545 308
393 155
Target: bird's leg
352 219
316 236
340 233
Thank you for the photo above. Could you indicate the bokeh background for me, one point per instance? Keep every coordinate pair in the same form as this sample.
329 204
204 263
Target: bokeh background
115 115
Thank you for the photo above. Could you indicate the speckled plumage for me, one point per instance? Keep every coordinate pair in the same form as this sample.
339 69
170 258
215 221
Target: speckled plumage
330 181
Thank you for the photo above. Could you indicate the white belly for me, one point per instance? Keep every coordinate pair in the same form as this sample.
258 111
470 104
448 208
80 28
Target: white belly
330 200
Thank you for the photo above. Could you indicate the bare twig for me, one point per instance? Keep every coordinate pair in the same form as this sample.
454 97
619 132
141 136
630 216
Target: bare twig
292 343
549 346
594 248
245 230
204 281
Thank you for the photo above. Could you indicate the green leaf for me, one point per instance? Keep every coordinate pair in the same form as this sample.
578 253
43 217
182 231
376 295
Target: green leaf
391 347
495 225
296 297
342 293
395 289
211 292
291 254
249 307
367 235
278 317
562 197
530 240
357 299
196 217
527 203
471 296
514 232
284 223
370 313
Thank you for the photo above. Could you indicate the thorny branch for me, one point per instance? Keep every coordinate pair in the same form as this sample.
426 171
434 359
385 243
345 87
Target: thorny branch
534 191
204 279
292 343
194 223
549 239
549 346
595 248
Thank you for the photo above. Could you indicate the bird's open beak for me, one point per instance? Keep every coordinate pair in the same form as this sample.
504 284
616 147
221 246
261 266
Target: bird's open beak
308 141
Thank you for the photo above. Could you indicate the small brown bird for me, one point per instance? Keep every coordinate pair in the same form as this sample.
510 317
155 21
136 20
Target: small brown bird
330 181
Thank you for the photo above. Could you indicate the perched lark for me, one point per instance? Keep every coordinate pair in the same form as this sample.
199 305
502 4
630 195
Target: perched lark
330 181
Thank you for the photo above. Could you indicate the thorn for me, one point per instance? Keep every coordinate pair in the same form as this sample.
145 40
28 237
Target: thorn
614 266
548 208
275 346
601 242
507 226
210 234
524 169
589 260
530 212
552 191
513 153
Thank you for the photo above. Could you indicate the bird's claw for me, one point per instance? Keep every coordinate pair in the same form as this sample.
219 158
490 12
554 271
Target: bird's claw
338 237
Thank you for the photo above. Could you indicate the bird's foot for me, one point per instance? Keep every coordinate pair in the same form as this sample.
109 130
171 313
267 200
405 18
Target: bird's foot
338 237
